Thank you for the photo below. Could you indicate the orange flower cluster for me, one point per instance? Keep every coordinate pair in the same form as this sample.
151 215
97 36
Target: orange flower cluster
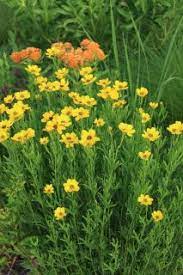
87 52
30 53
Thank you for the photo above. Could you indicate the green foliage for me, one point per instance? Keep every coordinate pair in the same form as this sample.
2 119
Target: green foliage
6 14
62 20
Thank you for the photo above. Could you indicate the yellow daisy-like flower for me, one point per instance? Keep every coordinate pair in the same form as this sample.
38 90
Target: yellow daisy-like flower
33 69
152 134
157 215
2 108
47 116
103 82
86 71
53 86
176 128
44 140
88 79
52 52
99 122
127 129
141 110
8 99
67 110
64 85
5 124
61 73
69 139
22 95
71 185
24 135
118 104
145 200
142 92
15 113
80 113
48 189
144 155
120 85
88 101
4 135
89 138
60 213
145 117
153 105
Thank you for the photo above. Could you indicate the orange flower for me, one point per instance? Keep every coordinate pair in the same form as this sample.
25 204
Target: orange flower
87 52
15 57
31 53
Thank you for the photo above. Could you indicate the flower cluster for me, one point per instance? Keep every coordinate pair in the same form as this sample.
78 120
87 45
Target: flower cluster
146 200
88 51
70 186
12 112
24 135
29 53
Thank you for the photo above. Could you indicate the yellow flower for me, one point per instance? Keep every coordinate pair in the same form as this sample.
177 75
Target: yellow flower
157 215
127 129
47 116
109 93
60 213
41 80
144 155
24 135
2 108
43 87
58 123
4 135
69 139
85 71
120 85
99 122
8 99
71 185
145 117
145 200
88 138
119 103
75 97
5 124
141 110
88 101
88 79
103 82
61 73
67 110
142 92
22 95
64 85
152 134
44 140
52 52
80 113
48 189
20 104
15 113
176 128
153 105
53 86
33 69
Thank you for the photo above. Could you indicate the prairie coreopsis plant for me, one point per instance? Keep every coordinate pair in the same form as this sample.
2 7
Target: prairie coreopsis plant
90 173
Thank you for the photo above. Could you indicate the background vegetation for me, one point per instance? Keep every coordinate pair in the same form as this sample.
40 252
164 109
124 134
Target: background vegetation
143 38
